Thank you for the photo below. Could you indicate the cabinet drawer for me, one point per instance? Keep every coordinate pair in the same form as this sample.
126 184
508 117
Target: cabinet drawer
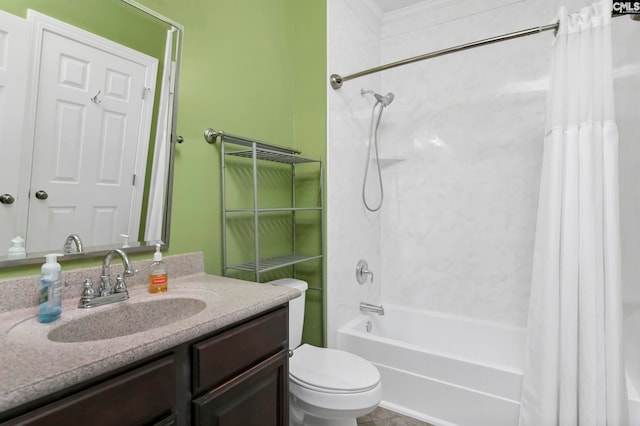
139 397
221 357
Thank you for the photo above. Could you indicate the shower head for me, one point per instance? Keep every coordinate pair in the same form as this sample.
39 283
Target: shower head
385 100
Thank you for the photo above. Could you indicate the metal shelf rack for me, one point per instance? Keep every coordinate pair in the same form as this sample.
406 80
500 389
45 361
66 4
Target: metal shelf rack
261 151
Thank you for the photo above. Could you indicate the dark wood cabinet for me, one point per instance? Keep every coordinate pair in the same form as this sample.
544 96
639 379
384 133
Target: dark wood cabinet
142 396
235 376
217 359
256 397
241 376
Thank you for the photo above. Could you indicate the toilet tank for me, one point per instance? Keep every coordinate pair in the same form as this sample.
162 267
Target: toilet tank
296 309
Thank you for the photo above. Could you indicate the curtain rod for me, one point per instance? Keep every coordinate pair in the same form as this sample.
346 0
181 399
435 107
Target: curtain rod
337 80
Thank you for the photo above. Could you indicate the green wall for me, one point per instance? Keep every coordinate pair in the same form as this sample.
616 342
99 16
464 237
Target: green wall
252 68
255 69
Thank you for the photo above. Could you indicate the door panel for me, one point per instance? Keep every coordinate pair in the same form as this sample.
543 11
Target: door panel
14 43
88 113
112 149
65 149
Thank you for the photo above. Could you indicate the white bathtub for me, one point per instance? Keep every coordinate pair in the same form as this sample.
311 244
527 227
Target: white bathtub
445 369
632 358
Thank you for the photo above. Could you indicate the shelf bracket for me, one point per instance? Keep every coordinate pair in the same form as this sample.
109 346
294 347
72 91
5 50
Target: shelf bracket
211 135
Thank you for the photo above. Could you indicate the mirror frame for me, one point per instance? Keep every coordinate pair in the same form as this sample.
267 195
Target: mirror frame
135 247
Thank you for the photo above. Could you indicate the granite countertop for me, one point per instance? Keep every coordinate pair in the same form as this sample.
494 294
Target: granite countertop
33 366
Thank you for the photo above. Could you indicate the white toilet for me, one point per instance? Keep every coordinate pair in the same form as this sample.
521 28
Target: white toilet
326 386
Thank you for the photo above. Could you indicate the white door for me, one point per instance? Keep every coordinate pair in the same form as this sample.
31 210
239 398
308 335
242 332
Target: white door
14 44
88 168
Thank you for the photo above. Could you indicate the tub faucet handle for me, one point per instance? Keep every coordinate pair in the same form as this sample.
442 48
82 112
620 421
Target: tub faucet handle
362 270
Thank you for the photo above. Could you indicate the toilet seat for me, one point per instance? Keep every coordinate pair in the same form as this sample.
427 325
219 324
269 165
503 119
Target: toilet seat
332 371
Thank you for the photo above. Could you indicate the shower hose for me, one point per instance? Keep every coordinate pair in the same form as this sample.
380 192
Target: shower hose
373 142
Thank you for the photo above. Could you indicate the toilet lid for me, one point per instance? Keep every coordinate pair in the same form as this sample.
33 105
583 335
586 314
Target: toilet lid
331 370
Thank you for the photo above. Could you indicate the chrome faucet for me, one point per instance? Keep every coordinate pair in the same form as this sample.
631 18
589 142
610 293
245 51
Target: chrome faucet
105 277
72 239
368 307
107 294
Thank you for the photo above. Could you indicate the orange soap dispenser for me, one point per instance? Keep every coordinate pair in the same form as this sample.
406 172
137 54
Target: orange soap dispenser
158 281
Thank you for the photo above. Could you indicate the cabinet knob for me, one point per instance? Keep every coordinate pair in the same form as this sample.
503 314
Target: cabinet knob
7 199
42 195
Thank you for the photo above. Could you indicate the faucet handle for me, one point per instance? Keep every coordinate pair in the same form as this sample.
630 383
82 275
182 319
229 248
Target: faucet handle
87 286
87 289
120 287
88 293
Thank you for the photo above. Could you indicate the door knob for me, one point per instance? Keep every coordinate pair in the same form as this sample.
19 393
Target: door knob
7 199
42 195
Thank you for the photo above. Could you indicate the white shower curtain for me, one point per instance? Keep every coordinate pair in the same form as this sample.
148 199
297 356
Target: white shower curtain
574 367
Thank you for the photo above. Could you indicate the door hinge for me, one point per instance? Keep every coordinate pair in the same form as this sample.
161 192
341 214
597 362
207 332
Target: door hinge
144 91
133 182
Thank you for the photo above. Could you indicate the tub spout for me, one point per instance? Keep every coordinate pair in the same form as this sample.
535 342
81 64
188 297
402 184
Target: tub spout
368 307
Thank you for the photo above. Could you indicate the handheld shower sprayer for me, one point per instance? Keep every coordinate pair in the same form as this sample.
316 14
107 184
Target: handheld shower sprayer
376 115
385 100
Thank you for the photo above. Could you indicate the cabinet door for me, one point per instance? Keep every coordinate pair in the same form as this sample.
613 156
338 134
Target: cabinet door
139 397
259 397
172 420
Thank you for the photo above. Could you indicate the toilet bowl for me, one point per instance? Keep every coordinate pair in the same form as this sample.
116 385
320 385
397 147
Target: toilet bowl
331 387
327 387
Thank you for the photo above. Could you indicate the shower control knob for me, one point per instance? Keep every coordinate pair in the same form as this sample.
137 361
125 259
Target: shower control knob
362 270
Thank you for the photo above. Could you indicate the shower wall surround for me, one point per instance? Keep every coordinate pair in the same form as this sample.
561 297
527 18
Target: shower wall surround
463 140
353 233
459 227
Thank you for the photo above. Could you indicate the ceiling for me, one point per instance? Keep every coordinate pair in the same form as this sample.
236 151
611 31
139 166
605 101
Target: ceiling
391 5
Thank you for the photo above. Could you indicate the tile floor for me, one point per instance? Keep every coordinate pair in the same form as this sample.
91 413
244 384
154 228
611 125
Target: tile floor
383 417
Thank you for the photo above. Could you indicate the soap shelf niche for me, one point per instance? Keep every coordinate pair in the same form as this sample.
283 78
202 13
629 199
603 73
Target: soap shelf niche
389 160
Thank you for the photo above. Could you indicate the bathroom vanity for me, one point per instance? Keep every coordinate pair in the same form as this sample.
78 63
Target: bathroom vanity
223 363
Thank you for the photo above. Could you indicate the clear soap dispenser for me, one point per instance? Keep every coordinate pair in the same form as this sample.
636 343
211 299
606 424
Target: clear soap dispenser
50 291
158 281
17 251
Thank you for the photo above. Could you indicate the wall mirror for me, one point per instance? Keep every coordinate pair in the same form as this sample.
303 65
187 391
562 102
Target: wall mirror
88 106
